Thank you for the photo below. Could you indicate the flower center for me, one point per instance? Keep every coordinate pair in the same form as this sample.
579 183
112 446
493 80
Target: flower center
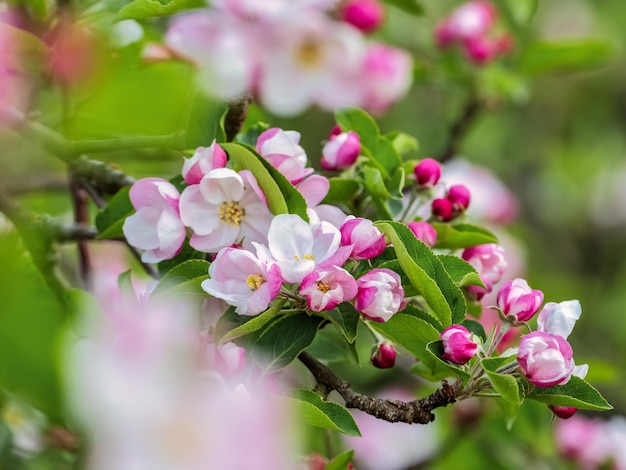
322 287
232 213
309 54
309 257
255 281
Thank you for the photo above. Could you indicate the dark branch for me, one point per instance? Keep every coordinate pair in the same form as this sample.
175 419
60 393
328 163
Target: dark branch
235 117
417 411
460 127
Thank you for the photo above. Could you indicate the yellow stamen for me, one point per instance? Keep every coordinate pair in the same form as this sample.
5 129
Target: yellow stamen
322 287
255 281
232 213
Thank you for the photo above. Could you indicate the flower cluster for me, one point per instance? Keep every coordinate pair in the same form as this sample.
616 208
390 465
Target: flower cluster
470 26
291 54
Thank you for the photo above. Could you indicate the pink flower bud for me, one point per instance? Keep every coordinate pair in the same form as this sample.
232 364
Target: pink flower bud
481 49
459 196
282 149
366 240
384 356
203 160
489 261
516 298
427 172
365 15
563 412
470 20
442 209
545 359
424 232
380 294
458 346
326 288
336 130
341 151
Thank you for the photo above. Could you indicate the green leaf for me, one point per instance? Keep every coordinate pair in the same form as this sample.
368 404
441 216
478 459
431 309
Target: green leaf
426 272
185 278
311 409
519 11
206 122
461 272
475 327
402 143
331 346
547 57
375 184
227 322
251 135
410 332
32 320
341 190
110 220
505 384
345 318
396 184
461 236
141 9
341 461
576 394
186 253
436 351
282 196
410 6
254 323
284 339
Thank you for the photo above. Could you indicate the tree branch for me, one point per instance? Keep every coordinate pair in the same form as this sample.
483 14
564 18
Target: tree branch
460 127
235 117
417 411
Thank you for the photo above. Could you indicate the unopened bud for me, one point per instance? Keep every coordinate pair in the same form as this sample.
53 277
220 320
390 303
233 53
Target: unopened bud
427 172
458 346
563 412
459 196
442 209
365 15
384 356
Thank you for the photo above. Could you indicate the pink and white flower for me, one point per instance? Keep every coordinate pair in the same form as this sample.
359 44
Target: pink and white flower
424 232
282 149
365 15
470 20
314 189
545 359
203 160
156 227
490 263
380 294
517 299
225 208
363 236
341 151
243 281
559 319
327 287
298 248
458 345
386 75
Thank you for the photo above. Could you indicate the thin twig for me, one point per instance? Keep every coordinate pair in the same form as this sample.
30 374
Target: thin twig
236 116
460 127
417 411
80 202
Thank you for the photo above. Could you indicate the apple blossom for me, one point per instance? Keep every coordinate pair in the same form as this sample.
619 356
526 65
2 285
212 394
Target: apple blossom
225 208
341 151
383 356
241 279
458 346
380 294
559 319
385 76
156 227
424 232
517 299
427 172
470 20
366 15
489 261
545 359
325 288
223 52
366 240
314 189
281 148
203 160
585 441
298 248
228 359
